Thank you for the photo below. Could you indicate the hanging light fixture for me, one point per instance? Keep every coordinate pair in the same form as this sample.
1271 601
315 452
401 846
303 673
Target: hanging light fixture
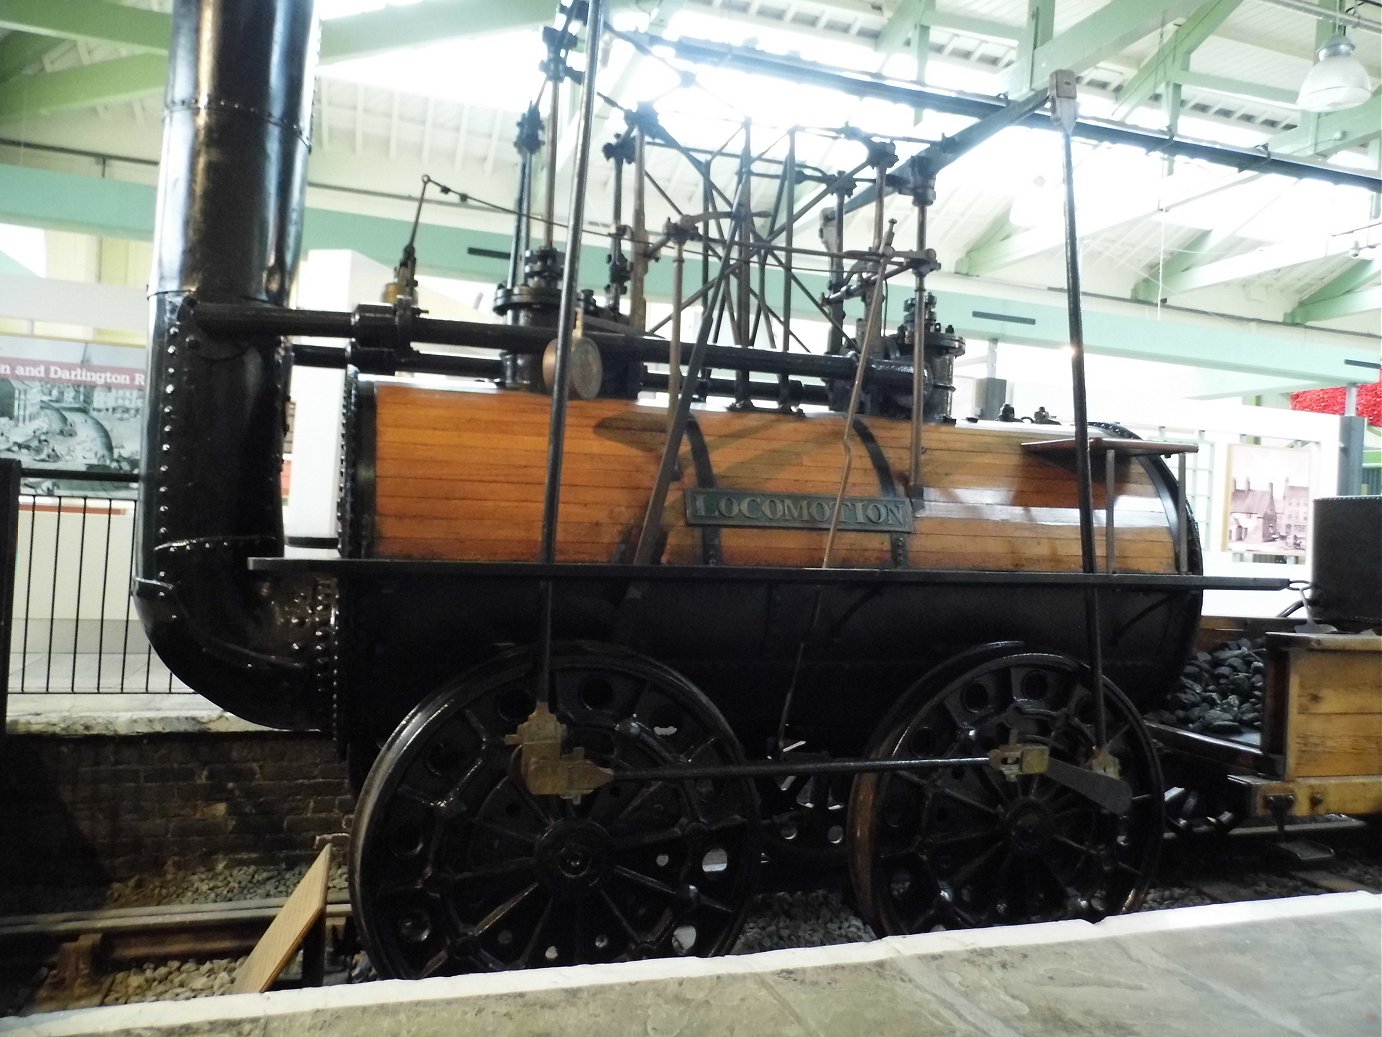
1338 80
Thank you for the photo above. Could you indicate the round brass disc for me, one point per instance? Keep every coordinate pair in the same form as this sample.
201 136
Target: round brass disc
587 370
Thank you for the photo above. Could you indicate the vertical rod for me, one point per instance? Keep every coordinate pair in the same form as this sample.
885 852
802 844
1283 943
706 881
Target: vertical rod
10 485
1063 93
915 486
1110 494
53 601
29 586
105 583
872 328
743 269
1182 518
707 205
520 219
652 518
77 607
789 173
616 234
836 341
638 306
674 337
129 598
549 202
566 315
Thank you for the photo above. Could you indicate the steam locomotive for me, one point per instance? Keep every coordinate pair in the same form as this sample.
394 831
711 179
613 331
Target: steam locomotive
591 658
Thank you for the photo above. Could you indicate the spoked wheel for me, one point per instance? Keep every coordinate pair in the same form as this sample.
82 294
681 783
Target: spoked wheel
963 847
457 867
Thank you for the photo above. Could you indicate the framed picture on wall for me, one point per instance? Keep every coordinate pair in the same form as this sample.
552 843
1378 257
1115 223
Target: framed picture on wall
1269 496
71 406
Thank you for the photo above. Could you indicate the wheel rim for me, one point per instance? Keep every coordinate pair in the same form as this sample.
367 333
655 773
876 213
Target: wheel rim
964 847
457 868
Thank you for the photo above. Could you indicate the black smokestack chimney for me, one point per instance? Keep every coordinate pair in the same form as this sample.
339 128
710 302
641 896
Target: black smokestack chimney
231 182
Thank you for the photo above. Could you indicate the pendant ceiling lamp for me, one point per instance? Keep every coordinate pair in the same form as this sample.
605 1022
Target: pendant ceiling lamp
1338 79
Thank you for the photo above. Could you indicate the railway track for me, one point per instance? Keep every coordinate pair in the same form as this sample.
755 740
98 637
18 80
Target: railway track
76 953
73 956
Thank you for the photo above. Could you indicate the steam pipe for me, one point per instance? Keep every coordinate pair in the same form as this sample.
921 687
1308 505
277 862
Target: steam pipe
228 230
242 320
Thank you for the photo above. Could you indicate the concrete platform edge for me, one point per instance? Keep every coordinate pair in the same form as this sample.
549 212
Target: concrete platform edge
239 1013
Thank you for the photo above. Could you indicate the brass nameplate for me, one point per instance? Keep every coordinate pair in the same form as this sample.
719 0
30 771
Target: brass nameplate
796 511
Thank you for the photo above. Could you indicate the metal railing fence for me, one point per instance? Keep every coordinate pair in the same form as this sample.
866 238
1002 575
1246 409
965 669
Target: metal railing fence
73 629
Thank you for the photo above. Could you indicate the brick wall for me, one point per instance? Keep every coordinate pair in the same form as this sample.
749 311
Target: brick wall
93 808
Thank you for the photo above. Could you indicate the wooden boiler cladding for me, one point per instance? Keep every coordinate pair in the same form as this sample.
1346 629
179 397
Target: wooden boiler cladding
459 474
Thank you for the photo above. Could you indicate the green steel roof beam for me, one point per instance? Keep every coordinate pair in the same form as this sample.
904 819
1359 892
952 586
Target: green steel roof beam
360 35
991 252
1236 88
1235 268
1328 132
399 28
969 25
1192 254
20 50
897 30
72 89
921 46
1036 33
1346 305
93 20
1172 55
1102 34
977 258
1348 293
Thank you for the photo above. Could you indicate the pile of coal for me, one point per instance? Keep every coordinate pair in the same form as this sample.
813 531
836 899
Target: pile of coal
1219 692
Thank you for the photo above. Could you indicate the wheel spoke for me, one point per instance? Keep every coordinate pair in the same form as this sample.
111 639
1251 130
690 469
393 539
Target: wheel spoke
646 881
526 838
539 927
497 915
531 802
434 963
645 839
1001 787
962 837
416 796
489 871
962 876
715 904
577 910
691 756
949 793
909 777
629 930
640 797
1078 848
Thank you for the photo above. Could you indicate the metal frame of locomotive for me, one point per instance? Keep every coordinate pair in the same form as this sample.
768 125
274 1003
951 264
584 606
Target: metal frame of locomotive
584 761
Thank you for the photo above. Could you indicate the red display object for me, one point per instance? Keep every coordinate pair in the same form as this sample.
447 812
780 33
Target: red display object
1331 401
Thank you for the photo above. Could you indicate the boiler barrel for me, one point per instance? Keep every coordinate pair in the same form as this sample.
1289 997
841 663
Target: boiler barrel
459 475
